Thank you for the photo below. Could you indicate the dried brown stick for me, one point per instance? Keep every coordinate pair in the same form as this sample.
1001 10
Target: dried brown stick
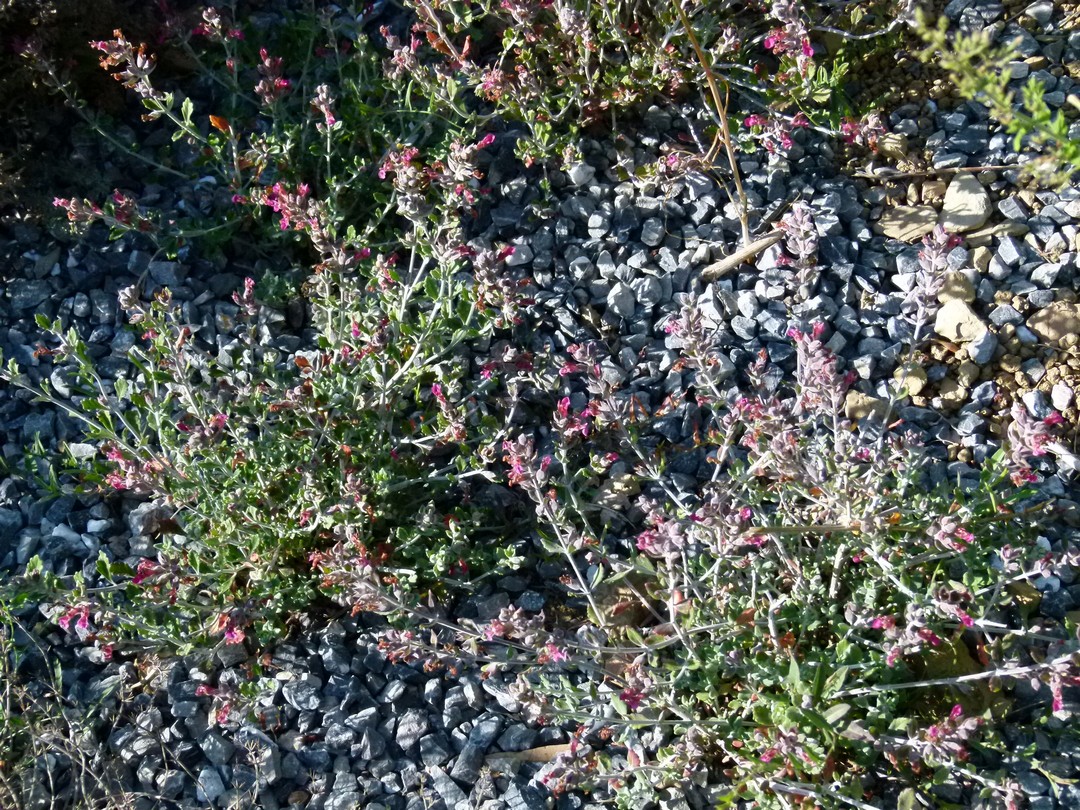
728 263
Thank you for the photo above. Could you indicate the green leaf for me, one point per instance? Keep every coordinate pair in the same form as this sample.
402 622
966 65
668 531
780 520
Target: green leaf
835 681
834 714
41 320
186 109
794 679
907 800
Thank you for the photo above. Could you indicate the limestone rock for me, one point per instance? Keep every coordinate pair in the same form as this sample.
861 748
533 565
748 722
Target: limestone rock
980 258
911 379
908 222
859 406
984 236
1054 322
967 205
893 146
957 321
957 288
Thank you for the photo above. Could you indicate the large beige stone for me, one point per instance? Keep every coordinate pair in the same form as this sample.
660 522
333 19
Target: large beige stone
908 222
859 406
910 379
956 288
1054 322
984 236
967 205
958 322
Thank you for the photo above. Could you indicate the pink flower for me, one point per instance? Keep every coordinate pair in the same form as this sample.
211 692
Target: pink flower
81 616
956 713
770 41
486 141
116 480
807 48
437 392
234 634
146 569
928 635
556 655
1056 694
205 690
632 698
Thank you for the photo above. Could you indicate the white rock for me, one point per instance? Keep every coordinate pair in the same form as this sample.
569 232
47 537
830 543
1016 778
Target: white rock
967 205
1061 396
620 300
581 173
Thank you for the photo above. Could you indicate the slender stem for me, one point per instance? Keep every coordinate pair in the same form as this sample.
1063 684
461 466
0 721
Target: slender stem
721 110
1015 672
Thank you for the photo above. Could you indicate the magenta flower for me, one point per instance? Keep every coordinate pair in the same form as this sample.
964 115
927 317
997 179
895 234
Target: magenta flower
883 623
234 635
632 698
146 569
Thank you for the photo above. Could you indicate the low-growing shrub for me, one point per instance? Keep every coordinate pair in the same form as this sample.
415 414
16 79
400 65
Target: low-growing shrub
820 619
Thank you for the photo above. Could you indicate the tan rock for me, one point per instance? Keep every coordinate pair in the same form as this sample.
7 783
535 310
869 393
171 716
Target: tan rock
983 236
933 191
616 491
958 322
968 374
908 222
957 288
859 406
911 378
1055 322
893 146
967 205
952 393
980 258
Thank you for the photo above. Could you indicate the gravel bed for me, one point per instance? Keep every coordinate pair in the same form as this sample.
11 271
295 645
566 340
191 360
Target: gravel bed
339 726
